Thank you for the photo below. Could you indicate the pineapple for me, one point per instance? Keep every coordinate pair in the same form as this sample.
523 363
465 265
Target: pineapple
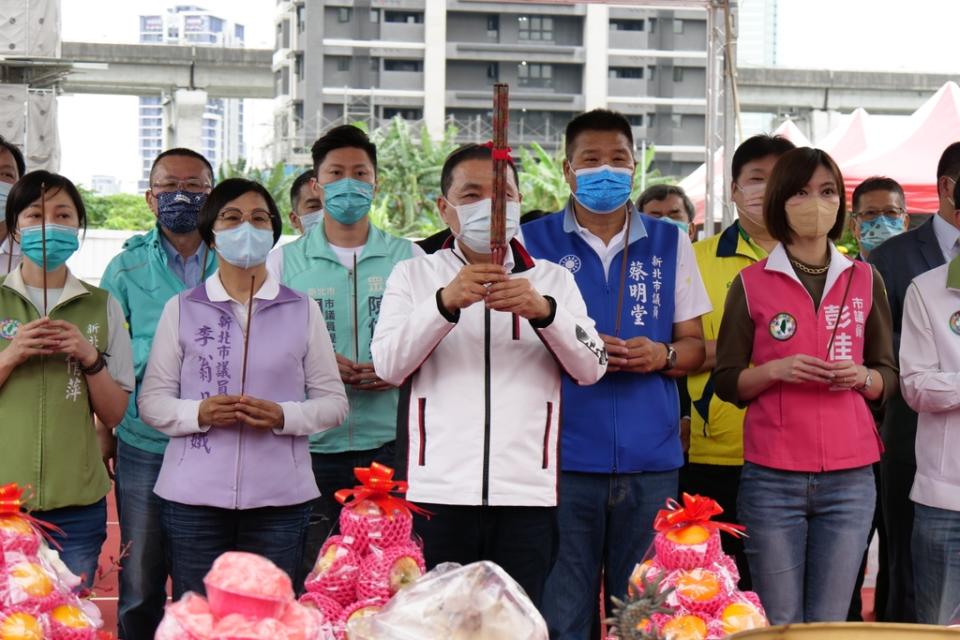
633 618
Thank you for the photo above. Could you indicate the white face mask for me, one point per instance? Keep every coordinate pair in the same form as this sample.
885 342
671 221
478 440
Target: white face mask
475 223
310 220
752 208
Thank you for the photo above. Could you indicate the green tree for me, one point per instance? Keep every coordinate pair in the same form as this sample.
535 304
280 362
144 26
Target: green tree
408 178
122 211
544 187
276 179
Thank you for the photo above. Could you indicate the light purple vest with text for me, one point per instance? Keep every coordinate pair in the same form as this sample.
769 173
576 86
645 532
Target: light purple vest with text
240 467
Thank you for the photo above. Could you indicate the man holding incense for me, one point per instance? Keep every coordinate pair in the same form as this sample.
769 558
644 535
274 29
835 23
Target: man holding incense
238 391
479 349
343 265
621 444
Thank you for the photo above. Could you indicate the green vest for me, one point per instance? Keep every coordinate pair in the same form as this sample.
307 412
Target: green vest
311 266
49 440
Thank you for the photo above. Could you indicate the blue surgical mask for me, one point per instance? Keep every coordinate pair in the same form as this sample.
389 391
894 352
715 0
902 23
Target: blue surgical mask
244 246
475 223
873 233
603 189
62 242
310 220
179 211
4 192
347 200
683 226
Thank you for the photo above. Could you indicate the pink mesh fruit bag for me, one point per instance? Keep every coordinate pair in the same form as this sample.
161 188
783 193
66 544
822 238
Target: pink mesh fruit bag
687 537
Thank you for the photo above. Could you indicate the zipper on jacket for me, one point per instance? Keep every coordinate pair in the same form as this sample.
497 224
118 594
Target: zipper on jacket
486 407
422 426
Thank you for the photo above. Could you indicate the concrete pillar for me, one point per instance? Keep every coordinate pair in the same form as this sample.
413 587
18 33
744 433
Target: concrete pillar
596 37
435 67
183 115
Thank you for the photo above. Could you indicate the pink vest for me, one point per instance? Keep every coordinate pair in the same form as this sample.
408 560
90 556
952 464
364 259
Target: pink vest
806 426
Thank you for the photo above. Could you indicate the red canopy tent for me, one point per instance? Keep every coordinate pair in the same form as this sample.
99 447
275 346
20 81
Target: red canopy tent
848 140
694 184
912 160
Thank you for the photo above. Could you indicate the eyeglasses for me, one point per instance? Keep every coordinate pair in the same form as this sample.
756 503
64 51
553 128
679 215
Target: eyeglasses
169 186
872 214
230 218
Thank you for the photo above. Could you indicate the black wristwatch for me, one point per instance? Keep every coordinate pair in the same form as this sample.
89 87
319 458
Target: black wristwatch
671 357
96 367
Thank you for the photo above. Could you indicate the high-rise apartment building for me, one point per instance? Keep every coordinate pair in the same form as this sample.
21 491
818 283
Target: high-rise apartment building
222 137
435 61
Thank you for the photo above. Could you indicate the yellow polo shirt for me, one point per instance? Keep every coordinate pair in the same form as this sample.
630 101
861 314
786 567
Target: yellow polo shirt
716 427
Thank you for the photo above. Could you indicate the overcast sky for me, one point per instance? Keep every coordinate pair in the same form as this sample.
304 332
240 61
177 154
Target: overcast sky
832 34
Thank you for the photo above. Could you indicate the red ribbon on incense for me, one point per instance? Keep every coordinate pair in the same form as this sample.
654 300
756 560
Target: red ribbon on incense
12 502
499 154
378 486
696 510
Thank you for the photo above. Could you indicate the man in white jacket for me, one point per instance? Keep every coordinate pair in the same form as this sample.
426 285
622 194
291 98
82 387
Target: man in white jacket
930 381
478 351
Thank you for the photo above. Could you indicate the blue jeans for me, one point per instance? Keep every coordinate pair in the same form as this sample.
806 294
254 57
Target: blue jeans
334 471
144 571
936 563
84 531
807 534
606 524
196 536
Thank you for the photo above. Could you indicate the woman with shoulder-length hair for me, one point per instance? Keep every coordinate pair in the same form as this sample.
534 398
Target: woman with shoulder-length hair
65 357
806 345
236 474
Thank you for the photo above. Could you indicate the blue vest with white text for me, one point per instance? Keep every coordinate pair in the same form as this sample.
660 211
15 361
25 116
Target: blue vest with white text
627 422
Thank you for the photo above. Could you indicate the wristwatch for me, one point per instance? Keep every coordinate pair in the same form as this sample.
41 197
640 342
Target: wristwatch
867 382
671 357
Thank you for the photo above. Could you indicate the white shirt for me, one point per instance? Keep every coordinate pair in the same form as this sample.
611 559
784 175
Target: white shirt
930 381
690 296
120 358
162 407
947 237
9 256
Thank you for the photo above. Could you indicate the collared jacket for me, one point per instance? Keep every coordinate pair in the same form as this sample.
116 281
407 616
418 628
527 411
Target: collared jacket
141 280
480 397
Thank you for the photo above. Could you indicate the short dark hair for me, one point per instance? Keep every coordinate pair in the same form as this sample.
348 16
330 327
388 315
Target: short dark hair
462 154
949 164
757 147
663 191
596 120
344 136
17 155
876 183
791 174
27 190
182 152
228 190
302 180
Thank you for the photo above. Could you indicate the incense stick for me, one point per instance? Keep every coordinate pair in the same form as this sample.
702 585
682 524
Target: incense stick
43 240
623 275
500 153
356 314
246 337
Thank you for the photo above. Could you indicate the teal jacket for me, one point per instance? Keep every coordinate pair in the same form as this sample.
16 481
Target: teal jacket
142 282
311 266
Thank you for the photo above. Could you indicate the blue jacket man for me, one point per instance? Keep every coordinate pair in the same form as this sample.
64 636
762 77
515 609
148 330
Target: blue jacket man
620 449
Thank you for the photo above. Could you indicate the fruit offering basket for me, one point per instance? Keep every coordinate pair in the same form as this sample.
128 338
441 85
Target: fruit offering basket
479 601
687 588
374 557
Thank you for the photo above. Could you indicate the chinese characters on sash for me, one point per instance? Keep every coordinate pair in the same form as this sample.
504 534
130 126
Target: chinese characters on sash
849 324
644 289
74 381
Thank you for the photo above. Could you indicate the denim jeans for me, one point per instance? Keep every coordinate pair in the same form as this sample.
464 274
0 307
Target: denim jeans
606 524
84 531
334 471
807 534
197 535
144 571
936 563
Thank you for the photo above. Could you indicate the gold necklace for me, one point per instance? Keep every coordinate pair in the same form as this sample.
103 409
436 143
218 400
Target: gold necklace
813 271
